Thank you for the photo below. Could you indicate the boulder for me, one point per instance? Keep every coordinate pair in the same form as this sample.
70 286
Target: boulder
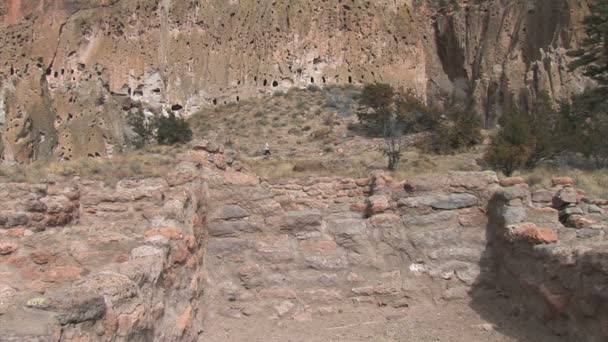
229 212
42 256
578 221
531 233
16 219
511 193
378 204
35 206
231 228
594 209
347 226
563 181
454 201
81 308
443 201
514 214
510 181
302 220
422 220
573 210
7 247
472 180
542 196
565 197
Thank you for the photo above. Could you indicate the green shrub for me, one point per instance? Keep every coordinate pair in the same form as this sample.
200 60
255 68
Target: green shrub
141 126
320 133
172 130
513 145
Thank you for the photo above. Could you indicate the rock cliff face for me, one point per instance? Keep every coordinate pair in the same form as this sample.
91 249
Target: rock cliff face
71 68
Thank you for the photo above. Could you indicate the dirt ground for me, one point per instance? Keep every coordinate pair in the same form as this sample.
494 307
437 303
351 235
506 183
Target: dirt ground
453 322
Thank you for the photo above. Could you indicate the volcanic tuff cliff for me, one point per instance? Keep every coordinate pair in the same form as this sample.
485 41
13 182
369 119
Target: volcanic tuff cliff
70 69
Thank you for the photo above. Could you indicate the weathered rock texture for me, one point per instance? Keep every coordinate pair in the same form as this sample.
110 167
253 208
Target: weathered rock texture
157 259
554 272
127 268
70 69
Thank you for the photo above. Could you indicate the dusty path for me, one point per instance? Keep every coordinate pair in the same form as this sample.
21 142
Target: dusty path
453 322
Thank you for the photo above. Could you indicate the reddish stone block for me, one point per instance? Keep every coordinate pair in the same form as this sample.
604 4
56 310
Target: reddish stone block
7 247
168 232
532 233
62 274
510 181
563 181
16 232
42 257
322 246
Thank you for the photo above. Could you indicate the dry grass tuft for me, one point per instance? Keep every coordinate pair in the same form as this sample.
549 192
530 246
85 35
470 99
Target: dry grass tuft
154 161
594 182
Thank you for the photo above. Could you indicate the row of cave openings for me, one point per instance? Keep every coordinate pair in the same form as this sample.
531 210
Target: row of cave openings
275 84
49 72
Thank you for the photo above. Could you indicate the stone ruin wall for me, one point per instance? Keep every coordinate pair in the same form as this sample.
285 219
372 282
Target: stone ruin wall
552 256
157 258
70 70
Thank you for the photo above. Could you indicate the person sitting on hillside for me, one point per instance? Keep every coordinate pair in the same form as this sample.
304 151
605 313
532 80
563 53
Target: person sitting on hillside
267 150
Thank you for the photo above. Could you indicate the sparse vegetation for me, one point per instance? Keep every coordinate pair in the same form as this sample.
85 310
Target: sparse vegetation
379 113
513 145
579 127
150 161
592 57
167 130
171 130
594 182
142 128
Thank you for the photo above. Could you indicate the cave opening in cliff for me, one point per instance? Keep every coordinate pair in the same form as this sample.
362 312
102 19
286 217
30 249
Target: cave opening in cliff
350 79
177 107
324 80
275 84
238 99
265 82
215 101
312 80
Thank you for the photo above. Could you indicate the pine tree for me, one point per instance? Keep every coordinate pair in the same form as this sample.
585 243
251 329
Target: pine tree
513 145
542 118
592 56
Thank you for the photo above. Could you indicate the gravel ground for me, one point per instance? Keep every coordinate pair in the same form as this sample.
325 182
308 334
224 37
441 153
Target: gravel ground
454 322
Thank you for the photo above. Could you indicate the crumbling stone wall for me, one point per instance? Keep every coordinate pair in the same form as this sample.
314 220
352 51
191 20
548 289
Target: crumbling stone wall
303 248
552 271
158 258
127 268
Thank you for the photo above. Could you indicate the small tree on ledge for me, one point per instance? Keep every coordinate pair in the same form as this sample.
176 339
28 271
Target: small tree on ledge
394 144
378 112
513 145
172 130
